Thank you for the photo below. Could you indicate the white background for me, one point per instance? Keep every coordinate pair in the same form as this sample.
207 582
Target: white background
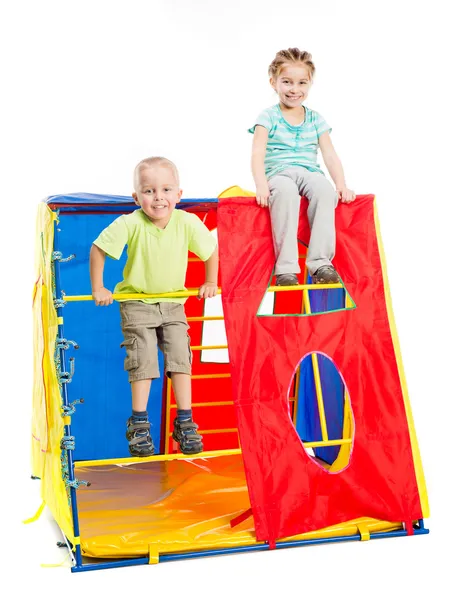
90 88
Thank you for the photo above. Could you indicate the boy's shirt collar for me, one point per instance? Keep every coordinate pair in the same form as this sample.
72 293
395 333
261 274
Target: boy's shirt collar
153 230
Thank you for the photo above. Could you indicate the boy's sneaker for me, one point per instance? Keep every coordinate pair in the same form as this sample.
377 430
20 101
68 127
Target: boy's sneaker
326 274
139 438
287 279
185 434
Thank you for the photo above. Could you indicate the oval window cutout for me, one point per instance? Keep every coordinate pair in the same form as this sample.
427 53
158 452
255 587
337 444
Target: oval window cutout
320 408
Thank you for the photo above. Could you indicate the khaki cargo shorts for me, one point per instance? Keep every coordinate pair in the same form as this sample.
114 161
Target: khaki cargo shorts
146 325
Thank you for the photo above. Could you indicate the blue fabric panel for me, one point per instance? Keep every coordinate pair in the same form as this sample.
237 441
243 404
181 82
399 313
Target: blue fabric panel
99 424
308 421
101 200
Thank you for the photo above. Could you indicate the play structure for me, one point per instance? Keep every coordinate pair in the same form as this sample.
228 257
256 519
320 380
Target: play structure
298 391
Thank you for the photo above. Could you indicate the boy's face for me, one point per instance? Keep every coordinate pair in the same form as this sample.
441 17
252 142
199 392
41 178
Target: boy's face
292 85
157 193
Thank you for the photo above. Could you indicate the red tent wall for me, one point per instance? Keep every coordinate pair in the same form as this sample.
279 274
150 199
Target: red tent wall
291 494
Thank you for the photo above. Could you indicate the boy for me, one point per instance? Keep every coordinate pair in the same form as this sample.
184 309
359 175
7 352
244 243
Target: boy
158 239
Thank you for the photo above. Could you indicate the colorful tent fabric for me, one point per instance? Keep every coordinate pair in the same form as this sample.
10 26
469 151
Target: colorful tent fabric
290 493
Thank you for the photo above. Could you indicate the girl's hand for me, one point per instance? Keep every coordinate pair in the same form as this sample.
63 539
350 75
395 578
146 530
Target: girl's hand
208 290
345 195
102 297
262 195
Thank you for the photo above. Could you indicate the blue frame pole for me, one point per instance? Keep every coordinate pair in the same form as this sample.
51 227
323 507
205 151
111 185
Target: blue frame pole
65 398
238 550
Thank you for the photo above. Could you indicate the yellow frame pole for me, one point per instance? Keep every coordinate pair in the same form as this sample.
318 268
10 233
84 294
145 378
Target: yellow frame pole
318 384
195 292
210 454
168 415
208 347
298 374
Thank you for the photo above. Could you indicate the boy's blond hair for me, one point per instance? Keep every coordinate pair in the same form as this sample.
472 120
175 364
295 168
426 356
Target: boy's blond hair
153 161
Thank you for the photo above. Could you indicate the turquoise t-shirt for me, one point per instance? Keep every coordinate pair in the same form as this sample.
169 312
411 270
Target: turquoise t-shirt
157 258
291 145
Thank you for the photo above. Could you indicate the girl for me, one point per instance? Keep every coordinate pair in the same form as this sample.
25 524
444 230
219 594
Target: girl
284 165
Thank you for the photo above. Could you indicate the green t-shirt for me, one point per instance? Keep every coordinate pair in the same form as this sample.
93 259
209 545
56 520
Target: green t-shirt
157 258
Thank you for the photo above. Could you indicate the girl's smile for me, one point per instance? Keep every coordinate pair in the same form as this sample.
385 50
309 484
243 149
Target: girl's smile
292 85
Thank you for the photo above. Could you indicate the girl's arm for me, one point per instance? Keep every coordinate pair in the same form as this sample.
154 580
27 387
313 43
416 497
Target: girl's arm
260 140
101 295
334 166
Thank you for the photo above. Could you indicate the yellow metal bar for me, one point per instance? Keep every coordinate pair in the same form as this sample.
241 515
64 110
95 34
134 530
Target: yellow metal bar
421 484
195 292
208 347
210 431
305 286
223 403
177 294
298 374
166 457
156 458
326 443
168 415
195 404
318 385
296 396
205 319
212 376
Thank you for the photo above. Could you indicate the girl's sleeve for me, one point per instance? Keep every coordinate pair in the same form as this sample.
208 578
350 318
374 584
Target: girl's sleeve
113 238
321 125
264 119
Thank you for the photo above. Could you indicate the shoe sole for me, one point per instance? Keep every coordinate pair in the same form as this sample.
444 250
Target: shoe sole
187 451
142 454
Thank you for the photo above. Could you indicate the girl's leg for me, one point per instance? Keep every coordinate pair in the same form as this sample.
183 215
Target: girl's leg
284 204
321 214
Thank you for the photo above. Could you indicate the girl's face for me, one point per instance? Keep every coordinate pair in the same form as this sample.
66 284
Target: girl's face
292 84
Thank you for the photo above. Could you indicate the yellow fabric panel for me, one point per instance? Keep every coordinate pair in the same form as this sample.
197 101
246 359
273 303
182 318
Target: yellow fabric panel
147 509
412 432
47 422
236 192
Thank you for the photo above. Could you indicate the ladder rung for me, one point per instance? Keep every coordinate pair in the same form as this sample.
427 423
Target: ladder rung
195 404
209 431
212 376
166 457
209 347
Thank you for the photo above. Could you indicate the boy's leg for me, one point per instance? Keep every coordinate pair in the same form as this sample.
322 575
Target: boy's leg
321 215
185 430
139 321
181 384
284 204
174 342
140 394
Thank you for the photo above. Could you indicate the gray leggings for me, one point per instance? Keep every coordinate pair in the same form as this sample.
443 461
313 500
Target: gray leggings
286 190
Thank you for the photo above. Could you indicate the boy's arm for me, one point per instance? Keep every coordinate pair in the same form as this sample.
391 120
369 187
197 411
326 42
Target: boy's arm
101 295
209 289
260 141
334 166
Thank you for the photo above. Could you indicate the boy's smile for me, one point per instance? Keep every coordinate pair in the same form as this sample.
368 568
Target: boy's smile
157 193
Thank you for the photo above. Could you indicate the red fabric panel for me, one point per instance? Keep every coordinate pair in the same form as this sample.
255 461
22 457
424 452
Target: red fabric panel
289 492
